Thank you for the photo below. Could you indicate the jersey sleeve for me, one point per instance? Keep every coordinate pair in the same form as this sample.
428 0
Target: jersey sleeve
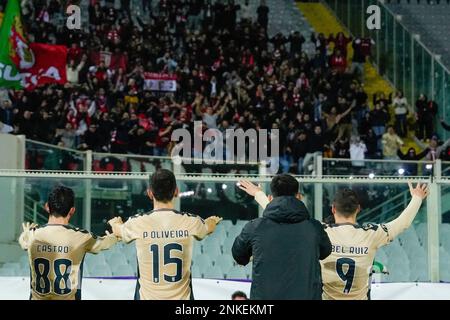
262 199
197 227
26 238
96 244
129 230
405 219
381 235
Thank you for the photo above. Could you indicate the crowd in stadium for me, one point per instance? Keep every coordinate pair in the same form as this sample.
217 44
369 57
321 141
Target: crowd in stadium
230 74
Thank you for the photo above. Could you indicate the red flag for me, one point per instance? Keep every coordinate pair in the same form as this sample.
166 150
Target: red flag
49 67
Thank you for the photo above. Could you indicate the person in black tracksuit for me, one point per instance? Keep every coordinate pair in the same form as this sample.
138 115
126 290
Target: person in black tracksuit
286 245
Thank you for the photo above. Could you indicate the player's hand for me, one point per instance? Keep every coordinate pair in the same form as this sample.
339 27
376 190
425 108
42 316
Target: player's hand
115 224
249 187
214 219
211 223
420 190
27 226
115 220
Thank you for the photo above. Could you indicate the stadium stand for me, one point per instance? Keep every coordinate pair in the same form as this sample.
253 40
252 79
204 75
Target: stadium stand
430 20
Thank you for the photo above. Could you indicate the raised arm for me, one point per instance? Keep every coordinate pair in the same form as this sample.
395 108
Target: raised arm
403 222
420 143
254 191
25 237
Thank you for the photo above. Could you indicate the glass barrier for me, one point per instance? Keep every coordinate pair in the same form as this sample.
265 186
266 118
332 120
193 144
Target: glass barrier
42 156
374 168
444 234
405 258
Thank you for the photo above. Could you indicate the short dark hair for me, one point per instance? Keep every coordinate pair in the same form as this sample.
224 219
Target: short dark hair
284 185
346 202
239 294
163 185
60 200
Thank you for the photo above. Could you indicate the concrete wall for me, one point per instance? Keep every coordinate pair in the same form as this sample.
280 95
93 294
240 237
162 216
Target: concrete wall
12 156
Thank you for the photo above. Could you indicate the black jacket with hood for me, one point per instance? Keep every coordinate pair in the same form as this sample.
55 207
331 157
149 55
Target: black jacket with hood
286 245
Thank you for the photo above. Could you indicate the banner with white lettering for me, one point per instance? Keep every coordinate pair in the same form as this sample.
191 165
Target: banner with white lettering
18 288
160 82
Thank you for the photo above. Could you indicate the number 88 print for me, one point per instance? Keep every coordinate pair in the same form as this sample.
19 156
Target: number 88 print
61 284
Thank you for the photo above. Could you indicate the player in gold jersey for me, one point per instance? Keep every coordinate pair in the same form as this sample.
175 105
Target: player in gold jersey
164 242
346 271
56 250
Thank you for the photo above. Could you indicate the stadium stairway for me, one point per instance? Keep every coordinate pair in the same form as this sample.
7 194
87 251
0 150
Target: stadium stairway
322 20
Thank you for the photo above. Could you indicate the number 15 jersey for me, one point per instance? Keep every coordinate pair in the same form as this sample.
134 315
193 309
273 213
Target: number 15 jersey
164 242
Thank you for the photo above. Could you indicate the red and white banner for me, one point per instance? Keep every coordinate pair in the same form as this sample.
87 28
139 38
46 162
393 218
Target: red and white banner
160 82
49 66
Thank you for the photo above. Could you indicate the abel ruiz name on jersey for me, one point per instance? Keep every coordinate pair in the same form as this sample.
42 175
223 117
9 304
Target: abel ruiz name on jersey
349 250
166 234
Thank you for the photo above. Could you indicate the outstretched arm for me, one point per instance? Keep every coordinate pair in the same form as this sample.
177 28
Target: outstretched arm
122 230
397 226
254 191
102 243
26 235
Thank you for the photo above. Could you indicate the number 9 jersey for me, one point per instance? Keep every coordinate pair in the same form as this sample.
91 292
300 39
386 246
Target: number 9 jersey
345 272
56 254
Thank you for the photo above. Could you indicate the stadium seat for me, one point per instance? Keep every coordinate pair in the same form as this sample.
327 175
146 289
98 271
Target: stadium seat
381 256
203 261
12 265
444 264
91 259
227 245
214 273
399 272
122 270
234 231
101 270
117 259
23 272
236 273
7 272
195 270
220 232
129 250
248 270
212 246
226 262
421 231
241 223
197 249
226 224
24 260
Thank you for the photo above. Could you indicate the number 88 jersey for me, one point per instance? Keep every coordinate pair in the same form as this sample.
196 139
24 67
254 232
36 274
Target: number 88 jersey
346 271
56 254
